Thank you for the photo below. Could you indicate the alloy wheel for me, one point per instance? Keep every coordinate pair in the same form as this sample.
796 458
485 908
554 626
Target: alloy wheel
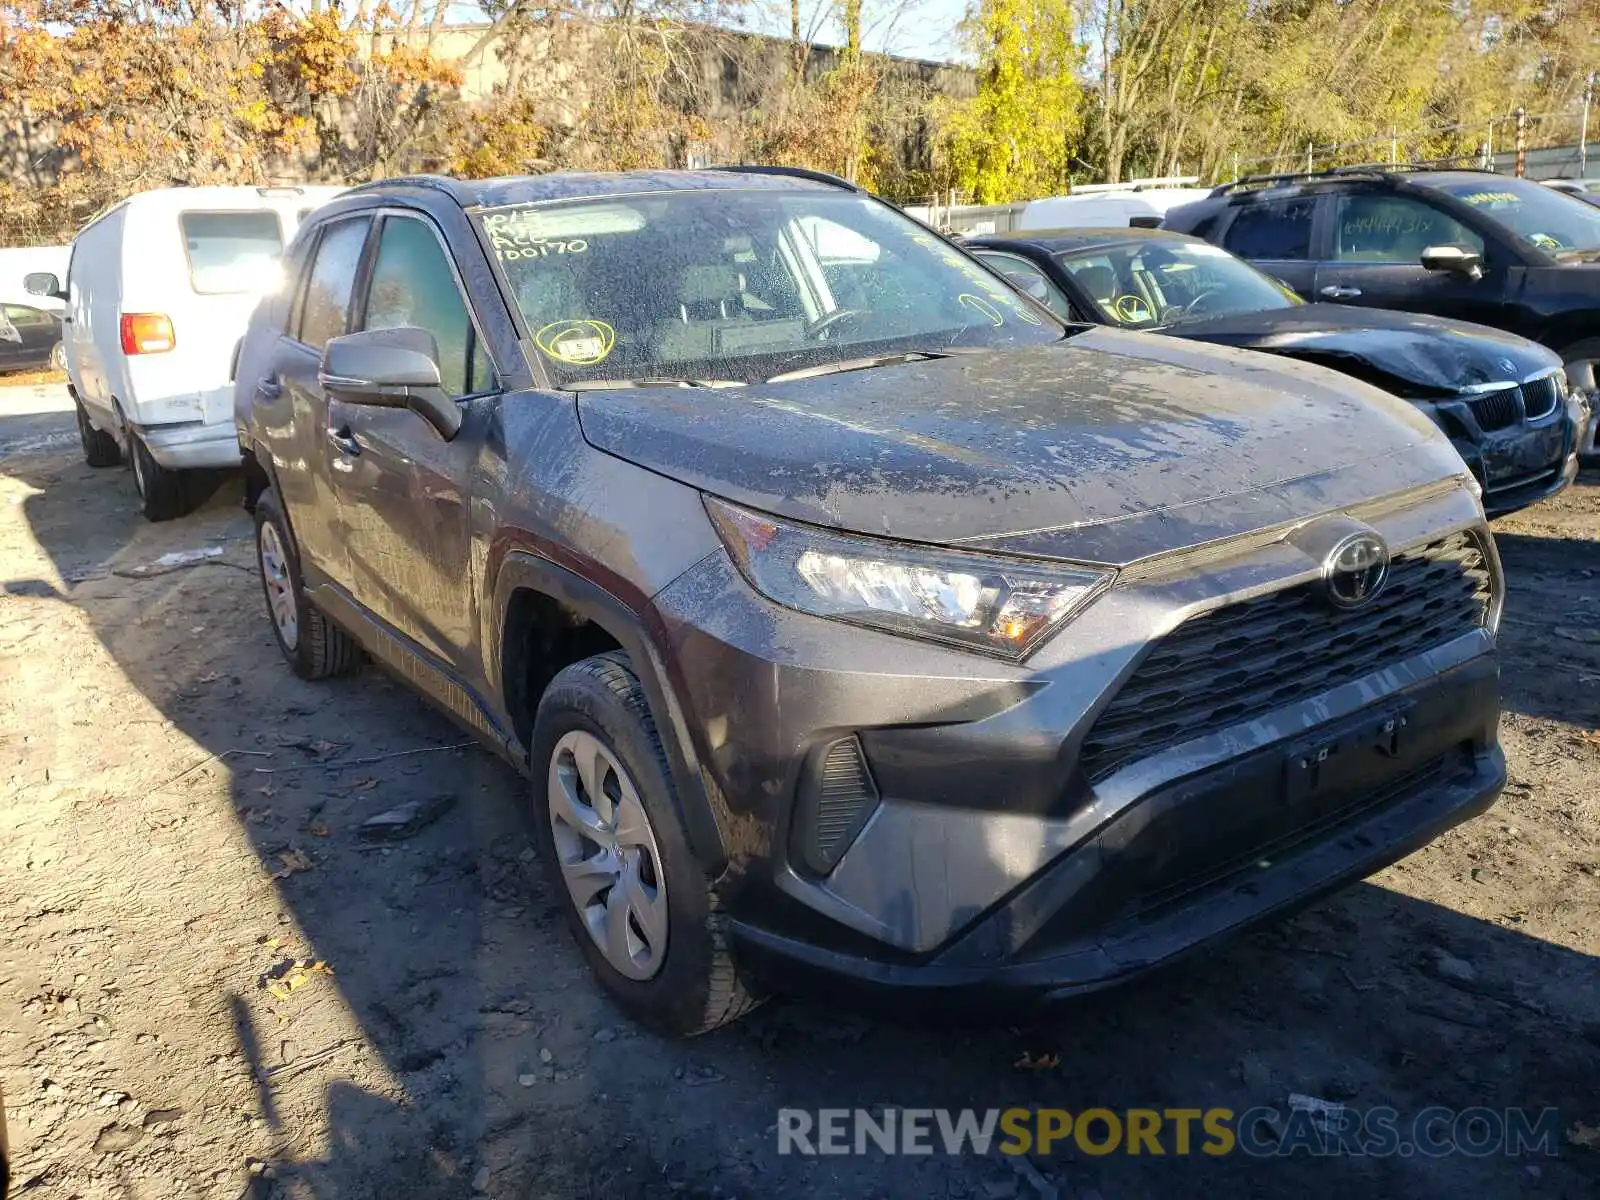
608 854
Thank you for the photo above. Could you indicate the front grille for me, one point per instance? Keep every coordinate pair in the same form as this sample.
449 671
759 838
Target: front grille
1497 409
1540 397
1535 399
1236 663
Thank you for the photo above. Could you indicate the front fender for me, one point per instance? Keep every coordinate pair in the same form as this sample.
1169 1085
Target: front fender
640 635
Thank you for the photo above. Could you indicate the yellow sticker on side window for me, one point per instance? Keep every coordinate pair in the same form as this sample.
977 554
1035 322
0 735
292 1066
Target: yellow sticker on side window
577 343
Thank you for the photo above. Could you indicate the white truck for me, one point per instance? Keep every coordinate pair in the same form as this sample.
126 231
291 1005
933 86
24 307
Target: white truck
158 293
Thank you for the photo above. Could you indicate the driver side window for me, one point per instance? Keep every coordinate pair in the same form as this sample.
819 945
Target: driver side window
1031 281
412 284
1377 228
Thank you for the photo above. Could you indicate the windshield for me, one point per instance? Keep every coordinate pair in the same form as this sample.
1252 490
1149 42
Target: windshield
1540 216
1145 284
731 286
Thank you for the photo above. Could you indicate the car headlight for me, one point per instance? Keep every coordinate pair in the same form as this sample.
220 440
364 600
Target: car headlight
1002 606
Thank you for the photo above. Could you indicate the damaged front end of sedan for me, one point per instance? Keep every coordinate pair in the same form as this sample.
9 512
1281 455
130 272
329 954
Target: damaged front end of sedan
1509 407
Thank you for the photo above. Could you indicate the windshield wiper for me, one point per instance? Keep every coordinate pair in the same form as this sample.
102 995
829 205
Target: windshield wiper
877 360
606 385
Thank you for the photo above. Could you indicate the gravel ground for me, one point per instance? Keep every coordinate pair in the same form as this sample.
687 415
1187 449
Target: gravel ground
211 985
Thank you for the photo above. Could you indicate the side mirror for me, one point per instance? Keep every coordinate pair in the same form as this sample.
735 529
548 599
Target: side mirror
43 283
390 368
1453 258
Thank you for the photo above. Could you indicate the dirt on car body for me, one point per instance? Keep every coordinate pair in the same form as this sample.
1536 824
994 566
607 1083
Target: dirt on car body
213 984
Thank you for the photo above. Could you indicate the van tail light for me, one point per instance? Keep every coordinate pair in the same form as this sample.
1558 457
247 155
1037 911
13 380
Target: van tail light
146 333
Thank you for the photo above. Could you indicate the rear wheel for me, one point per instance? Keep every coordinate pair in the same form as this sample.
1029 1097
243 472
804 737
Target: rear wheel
313 646
609 834
58 357
161 492
99 449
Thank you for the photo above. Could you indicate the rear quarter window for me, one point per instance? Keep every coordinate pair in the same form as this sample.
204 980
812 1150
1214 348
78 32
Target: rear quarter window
1278 230
231 252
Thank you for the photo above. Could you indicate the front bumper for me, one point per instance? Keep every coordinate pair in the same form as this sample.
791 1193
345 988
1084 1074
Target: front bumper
192 445
1521 464
1164 881
989 856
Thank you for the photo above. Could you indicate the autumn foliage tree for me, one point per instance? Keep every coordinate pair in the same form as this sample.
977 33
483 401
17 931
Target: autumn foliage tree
135 94
1017 137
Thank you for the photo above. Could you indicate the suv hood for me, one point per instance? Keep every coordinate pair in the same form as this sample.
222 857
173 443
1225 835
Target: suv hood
1407 353
1107 447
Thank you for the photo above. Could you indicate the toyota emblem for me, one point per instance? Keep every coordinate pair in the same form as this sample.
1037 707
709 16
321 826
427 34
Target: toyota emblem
1355 570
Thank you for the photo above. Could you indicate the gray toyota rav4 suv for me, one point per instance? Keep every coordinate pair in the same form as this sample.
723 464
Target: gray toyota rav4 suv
852 617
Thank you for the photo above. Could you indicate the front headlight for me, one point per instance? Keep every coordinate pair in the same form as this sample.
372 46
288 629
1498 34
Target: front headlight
1002 606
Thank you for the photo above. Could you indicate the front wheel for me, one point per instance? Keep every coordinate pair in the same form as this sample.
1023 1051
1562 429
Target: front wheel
100 449
58 357
607 828
1583 370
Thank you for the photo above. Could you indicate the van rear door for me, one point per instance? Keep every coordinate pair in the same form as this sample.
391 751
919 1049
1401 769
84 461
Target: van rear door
226 259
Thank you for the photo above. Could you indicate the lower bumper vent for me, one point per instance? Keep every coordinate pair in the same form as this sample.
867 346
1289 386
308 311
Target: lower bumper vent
837 795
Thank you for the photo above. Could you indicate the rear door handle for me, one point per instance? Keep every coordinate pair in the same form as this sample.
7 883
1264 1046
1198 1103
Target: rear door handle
1335 292
269 387
344 441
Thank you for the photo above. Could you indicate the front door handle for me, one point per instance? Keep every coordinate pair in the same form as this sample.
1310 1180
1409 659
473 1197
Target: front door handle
269 387
344 441
1335 291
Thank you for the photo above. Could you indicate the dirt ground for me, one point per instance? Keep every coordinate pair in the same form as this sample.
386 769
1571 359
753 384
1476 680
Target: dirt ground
210 985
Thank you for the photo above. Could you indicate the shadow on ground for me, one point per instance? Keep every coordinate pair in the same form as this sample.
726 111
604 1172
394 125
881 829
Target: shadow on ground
512 1074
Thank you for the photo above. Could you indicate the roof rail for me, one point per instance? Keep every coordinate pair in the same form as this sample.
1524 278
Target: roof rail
1135 185
438 183
797 172
1355 171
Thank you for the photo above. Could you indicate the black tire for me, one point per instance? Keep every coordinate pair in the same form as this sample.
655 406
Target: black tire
99 449
320 648
698 985
58 357
162 495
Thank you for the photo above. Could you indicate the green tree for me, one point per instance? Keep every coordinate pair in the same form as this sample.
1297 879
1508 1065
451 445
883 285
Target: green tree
1016 137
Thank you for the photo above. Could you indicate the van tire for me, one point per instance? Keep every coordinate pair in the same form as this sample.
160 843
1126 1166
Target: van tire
162 495
320 649
697 985
99 449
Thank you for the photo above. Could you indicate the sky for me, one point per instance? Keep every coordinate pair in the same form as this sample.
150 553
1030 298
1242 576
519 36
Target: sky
911 28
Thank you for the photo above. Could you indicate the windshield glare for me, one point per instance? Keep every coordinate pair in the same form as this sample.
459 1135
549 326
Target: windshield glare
1141 285
723 285
1543 217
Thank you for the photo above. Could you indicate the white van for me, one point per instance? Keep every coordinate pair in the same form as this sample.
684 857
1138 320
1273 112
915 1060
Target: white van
159 291
1106 206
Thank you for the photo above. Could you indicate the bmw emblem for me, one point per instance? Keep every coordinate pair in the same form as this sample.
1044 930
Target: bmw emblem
1355 570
